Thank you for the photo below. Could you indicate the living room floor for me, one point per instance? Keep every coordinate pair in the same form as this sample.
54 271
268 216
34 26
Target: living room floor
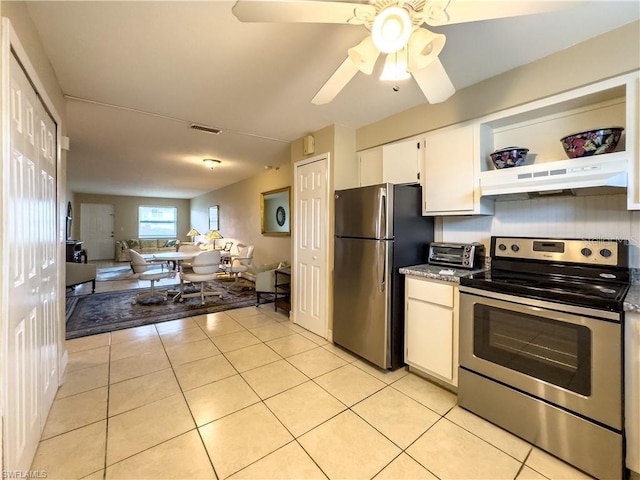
246 393
114 285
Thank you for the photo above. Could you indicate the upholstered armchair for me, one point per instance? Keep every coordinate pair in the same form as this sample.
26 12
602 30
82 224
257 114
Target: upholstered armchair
265 279
78 273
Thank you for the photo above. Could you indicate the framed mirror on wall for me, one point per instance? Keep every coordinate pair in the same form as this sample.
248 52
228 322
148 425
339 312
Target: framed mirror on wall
275 213
214 223
69 221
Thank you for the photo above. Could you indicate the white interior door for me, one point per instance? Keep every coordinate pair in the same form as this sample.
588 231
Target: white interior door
310 268
47 248
96 230
30 335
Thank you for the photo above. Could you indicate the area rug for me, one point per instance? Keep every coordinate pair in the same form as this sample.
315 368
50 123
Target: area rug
106 274
109 311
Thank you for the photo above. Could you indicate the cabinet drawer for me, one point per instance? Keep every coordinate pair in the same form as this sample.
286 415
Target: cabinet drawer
430 291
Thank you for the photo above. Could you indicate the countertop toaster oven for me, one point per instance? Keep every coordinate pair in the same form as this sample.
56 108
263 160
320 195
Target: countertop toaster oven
457 255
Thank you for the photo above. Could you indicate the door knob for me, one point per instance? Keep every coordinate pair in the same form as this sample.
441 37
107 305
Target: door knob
315 257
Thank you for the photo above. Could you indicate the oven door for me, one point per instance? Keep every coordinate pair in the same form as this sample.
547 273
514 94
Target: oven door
569 359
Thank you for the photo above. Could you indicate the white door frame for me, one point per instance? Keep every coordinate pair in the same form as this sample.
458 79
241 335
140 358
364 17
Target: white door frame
328 243
10 42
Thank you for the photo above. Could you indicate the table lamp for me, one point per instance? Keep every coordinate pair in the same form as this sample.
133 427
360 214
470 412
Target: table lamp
213 235
193 233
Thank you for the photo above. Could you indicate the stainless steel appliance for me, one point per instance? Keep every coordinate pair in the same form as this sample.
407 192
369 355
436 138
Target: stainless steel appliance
541 346
457 255
378 229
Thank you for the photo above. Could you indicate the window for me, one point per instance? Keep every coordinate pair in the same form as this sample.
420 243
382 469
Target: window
157 222
213 218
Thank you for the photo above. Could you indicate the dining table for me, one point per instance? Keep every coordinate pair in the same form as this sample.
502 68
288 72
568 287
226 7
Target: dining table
176 257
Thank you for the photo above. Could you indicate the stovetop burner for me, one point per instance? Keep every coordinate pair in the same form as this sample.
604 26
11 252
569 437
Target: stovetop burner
562 271
608 296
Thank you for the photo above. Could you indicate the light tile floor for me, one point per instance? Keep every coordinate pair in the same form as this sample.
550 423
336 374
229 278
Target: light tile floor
246 394
114 285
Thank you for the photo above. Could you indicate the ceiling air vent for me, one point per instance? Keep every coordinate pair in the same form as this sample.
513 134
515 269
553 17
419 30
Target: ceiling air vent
204 128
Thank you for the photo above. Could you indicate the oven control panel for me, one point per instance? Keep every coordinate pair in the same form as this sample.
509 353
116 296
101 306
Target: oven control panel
584 251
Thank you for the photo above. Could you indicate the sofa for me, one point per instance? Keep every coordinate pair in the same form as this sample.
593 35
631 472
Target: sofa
78 273
144 246
263 277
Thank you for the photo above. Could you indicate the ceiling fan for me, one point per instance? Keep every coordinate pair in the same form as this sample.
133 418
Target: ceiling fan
396 31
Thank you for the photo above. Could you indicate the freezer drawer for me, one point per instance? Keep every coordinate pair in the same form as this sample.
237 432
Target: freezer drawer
361 301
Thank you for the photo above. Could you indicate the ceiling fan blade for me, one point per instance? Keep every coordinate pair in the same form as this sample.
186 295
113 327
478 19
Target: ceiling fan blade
300 11
434 82
460 11
345 72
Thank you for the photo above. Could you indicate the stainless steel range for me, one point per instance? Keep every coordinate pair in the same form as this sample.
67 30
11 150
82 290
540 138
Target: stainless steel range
541 346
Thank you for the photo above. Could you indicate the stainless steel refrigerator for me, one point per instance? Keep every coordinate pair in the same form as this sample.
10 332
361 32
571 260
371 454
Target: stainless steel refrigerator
378 229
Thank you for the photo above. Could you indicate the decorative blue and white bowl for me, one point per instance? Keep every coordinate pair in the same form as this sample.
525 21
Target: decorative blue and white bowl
509 157
592 142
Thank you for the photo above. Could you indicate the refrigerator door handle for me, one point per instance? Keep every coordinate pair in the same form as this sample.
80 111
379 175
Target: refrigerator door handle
381 223
382 264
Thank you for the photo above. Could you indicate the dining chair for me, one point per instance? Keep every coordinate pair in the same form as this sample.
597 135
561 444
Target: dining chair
239 263
204 268
145 270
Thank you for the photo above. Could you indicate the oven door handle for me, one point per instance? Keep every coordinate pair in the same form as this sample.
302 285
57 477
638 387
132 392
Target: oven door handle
532 302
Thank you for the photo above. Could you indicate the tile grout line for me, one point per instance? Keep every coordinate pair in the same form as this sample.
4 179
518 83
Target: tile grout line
211 339
106 433
182 392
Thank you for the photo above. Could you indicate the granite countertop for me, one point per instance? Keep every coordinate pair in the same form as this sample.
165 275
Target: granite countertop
436 272
448 274
632 300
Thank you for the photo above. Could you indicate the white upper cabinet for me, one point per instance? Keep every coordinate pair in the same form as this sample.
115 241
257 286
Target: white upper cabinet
393 163
401 162
450 173
633 123
370 166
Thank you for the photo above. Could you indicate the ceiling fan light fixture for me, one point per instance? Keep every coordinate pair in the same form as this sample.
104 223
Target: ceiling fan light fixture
391 29
211 163
424 46
364 55
395 67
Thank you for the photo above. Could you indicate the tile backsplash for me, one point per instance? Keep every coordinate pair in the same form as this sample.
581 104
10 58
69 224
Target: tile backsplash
593 217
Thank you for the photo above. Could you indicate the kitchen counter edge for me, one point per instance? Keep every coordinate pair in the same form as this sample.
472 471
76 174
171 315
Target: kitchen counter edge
436 272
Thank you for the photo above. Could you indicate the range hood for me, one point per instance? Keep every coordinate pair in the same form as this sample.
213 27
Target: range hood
599 173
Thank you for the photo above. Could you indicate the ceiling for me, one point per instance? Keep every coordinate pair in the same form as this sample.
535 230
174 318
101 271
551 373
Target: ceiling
135 74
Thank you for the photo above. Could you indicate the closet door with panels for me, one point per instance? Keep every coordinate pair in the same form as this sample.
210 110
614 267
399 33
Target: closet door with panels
31 336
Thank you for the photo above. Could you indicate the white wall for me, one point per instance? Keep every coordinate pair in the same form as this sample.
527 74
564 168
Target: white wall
239 214
592 217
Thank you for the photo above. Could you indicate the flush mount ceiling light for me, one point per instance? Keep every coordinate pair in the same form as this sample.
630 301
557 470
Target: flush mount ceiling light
211 163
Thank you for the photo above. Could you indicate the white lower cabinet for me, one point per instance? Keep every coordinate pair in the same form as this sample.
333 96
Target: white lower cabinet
632 389
431 328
